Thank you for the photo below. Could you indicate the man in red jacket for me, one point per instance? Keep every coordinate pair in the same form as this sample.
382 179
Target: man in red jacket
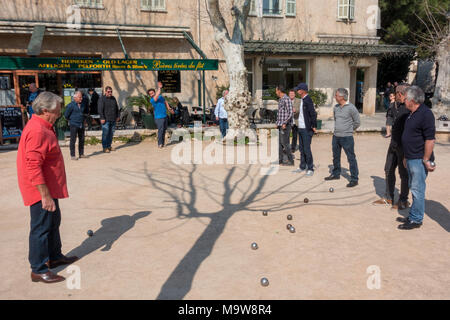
42 181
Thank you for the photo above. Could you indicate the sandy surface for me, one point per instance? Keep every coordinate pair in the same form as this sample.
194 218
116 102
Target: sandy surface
171 231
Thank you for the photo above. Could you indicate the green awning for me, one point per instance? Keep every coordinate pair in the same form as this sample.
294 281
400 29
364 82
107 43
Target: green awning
326 48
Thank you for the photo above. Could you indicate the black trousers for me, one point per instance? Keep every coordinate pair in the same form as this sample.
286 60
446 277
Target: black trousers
394 159
295 137
44 240
74 132
284 145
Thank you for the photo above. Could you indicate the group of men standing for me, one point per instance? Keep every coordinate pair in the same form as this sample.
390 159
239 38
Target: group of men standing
300 117
411 151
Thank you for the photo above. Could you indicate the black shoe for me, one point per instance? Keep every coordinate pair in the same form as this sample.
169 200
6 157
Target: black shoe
352 184
332 177
409 225
402 219
287 164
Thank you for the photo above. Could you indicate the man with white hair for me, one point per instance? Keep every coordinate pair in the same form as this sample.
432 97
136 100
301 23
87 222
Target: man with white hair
42 181
346 120
75 115
221 114
418 142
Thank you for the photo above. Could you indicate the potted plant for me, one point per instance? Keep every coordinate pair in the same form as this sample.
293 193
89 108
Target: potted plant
319 98
143 101
61 125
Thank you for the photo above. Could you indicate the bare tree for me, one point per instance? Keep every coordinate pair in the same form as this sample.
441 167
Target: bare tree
436 40
238 99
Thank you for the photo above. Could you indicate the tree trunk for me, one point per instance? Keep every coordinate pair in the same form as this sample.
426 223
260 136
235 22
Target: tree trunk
238 99
441 99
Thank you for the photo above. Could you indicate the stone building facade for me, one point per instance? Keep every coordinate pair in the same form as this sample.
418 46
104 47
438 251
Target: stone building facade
325 43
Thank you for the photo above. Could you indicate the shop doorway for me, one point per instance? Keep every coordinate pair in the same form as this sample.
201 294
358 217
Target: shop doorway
357 87
24 81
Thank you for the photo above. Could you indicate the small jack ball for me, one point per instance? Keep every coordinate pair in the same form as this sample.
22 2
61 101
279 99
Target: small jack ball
331 190
289 217
288 226
306 200
90 233
265 213
264 282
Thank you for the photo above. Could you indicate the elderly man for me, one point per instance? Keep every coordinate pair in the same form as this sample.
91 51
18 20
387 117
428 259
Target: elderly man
75 115
284 123
346 120
418 142
42 181
221 114
306 127
108 109
394 157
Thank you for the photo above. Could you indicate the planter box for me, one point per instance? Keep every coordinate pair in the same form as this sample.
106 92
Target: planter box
319 124
149 121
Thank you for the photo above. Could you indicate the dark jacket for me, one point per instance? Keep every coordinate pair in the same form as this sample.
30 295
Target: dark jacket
108 109
309 113
93 107
74 114
399 117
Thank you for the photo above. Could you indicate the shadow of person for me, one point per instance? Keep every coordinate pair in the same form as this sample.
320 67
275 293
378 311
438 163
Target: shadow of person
111 230
439 213
344 172
380 186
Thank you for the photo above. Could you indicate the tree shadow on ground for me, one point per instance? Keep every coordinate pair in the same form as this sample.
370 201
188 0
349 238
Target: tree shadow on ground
242 189
110 231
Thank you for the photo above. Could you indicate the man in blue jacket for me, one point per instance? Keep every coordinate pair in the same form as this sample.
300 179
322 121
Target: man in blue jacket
306 127
74 114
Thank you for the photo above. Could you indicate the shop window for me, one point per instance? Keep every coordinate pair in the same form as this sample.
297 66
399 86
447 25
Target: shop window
7 93
287 72
89 3
153 5
346 9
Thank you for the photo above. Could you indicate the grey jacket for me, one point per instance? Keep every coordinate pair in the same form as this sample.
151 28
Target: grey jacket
346 120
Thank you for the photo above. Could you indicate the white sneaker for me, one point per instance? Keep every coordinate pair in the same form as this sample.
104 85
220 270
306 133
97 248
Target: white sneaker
310 173
298 170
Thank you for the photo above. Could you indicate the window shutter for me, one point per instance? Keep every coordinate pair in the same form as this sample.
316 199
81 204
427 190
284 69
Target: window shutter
291 7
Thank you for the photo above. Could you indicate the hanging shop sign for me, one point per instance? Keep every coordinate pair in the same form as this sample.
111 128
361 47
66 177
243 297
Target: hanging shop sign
96 64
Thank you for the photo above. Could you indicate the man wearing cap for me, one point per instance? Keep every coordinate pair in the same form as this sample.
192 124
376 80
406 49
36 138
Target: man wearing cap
307 123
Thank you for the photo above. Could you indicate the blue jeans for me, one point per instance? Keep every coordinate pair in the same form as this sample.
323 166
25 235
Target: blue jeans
223 124
306 158
108 133
44 239
348 144
417 174
161 124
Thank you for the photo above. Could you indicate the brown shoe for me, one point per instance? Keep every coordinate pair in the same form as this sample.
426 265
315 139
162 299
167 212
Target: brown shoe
82 156
112 149
382 201
400 205
106 150
48 277
61 262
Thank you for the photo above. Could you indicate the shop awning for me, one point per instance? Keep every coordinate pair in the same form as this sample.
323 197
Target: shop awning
326 48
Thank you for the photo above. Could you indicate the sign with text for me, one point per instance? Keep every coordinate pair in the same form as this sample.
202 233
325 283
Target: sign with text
11 119
171 80
96 64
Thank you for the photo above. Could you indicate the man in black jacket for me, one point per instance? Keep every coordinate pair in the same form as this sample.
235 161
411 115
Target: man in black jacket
307 123
108 109
395 155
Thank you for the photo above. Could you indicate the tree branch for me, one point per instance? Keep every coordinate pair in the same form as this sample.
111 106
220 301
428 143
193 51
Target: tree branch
218 22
